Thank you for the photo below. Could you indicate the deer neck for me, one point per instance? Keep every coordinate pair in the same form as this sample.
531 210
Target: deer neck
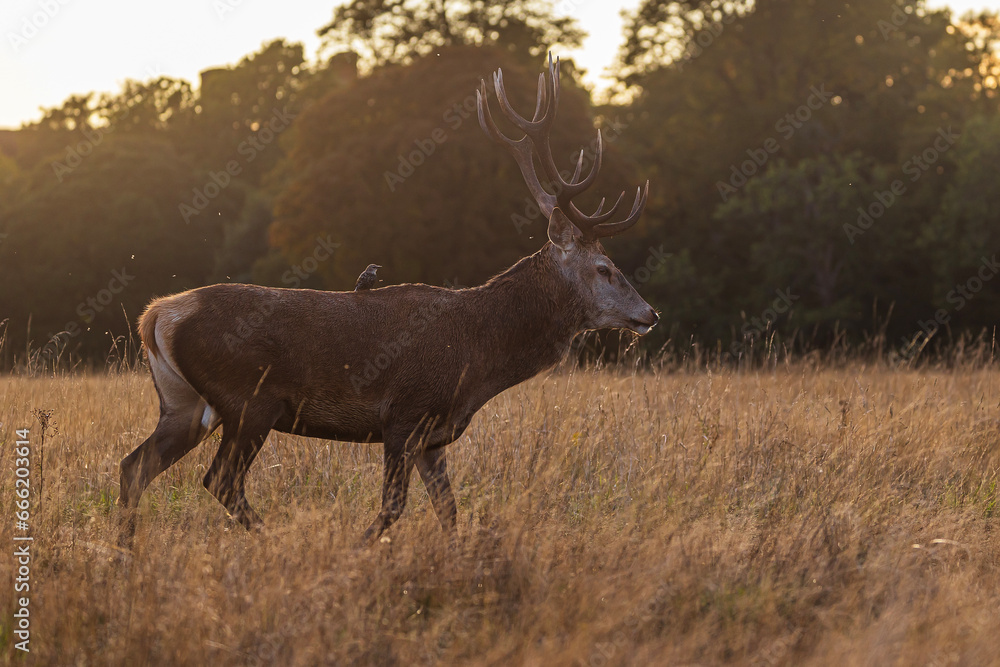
531 316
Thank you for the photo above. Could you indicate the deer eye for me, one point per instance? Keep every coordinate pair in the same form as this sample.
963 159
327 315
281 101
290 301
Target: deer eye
603 270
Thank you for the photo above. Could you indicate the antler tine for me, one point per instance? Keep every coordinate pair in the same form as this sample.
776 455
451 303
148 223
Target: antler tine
539 126
607 229
579 168
535 143
520 149
485 117
577 186
554 79
586 222
540 98
539 135
538 129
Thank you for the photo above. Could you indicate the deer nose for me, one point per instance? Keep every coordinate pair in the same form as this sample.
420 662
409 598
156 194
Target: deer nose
654 316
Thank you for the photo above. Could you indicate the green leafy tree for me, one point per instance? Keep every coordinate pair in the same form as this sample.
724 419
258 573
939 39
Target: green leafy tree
241 111
105 239
59 129
244 240
147 106
963 240
792 219
397 31
9 172
723 90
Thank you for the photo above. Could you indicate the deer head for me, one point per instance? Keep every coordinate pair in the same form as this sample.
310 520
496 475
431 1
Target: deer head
608 300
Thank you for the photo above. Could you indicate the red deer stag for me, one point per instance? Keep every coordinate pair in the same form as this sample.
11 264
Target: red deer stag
440 353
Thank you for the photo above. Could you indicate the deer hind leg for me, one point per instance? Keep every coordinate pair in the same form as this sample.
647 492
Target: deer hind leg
395 482
185 420
226 477
433 469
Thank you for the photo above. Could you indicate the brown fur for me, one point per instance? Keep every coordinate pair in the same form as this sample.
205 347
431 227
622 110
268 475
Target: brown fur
407 365
167 311
147 329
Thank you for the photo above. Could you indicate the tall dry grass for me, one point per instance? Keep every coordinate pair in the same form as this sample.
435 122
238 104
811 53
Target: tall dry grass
795 515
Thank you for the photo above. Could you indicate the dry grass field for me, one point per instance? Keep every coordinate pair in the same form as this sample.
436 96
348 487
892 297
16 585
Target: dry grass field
797 515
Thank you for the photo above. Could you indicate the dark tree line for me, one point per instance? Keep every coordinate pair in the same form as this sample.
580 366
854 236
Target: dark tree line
818 169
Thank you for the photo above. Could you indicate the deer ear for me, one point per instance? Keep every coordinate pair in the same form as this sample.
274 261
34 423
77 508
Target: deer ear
562 232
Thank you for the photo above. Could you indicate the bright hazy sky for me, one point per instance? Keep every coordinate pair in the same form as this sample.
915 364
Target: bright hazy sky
50 49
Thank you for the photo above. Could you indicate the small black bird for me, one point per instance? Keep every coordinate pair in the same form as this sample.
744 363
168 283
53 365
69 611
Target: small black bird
367 278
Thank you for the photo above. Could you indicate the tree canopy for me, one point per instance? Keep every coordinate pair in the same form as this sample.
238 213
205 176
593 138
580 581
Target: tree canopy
820 170
768 125
386 32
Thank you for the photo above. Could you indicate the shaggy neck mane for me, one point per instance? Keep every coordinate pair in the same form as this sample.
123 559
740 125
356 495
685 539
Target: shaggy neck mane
530 315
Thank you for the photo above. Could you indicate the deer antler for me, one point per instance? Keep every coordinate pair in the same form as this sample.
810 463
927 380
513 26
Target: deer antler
536 142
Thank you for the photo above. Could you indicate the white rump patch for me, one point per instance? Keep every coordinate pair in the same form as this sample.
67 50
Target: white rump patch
209 419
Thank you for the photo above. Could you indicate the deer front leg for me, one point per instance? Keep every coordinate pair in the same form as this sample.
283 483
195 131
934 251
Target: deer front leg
433 468
395 482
